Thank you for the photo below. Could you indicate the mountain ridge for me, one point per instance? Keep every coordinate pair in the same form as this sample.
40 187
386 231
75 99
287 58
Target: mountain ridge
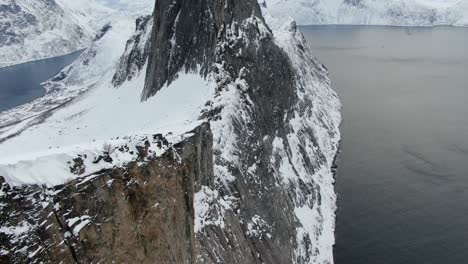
241 90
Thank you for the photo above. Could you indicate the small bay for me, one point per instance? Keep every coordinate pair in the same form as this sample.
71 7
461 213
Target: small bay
20 84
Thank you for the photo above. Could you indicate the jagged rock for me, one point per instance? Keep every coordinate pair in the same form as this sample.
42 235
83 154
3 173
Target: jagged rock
136 52
140 213
78 167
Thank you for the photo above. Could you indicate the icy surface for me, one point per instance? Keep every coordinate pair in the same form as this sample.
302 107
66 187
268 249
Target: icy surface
373 12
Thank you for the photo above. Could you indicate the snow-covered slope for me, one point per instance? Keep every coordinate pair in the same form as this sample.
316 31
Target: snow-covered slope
80 87
93 14
38 29
263 184
374 12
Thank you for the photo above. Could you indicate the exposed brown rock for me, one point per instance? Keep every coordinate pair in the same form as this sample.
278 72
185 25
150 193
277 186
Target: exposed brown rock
142 213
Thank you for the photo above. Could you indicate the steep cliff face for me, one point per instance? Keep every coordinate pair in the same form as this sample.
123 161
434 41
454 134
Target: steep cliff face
186 34
271 200
138 213
241 175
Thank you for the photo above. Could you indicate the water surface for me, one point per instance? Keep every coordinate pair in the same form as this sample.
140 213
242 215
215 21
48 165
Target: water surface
403 171
20 84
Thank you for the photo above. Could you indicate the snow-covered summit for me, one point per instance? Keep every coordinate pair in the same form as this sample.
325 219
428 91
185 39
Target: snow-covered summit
373 12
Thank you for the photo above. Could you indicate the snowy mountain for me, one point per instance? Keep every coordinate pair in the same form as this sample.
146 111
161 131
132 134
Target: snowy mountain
37 29
373 12
205 133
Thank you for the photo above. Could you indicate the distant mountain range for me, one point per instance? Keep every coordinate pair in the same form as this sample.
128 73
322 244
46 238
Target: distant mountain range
37 29
373 12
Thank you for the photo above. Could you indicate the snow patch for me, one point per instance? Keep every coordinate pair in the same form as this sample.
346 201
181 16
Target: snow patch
209 209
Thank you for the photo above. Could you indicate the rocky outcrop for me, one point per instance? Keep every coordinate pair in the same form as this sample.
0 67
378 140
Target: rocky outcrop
136 52
186 34
265 148
140 213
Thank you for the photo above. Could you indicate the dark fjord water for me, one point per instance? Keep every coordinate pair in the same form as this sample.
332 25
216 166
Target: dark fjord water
403 171
20 84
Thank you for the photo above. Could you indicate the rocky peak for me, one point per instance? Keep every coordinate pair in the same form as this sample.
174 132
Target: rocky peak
248 213
228 39
186 33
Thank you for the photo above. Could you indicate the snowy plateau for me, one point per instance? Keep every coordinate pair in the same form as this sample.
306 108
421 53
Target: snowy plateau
373 12
204 133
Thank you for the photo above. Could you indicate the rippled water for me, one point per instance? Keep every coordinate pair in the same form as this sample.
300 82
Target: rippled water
21 83
403 171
